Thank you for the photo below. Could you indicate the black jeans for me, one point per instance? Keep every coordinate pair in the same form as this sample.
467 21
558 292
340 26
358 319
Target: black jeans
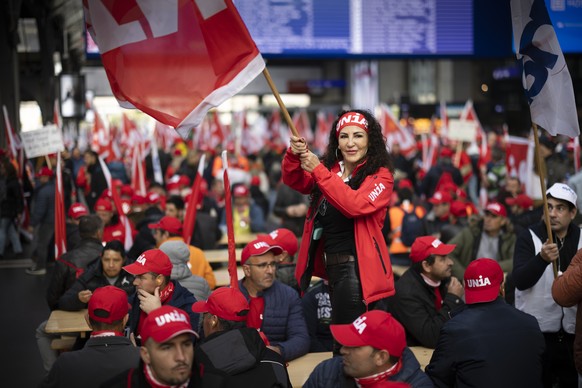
558 361
345 292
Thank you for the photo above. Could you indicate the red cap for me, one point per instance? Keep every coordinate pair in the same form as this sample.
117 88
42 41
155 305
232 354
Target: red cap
226 303
497 209
263 244
483 277
286 239
126 191
103 204
153 260
137 199
440 197
108 304
374 328
241 191
173 186
446 152
184 180
116 183
77 210
153 198
45 171
106 194
425 246
459 209
171 225
521 200
165 323
405 184
255 180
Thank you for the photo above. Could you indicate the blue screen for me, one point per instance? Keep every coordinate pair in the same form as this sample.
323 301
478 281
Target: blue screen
566 17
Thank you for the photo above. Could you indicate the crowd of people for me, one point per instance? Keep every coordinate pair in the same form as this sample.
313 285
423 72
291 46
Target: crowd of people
483 284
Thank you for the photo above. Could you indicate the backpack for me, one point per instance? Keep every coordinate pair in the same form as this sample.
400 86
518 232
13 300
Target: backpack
412 227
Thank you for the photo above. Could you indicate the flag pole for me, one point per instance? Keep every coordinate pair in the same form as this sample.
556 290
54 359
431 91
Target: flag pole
544 197
280 102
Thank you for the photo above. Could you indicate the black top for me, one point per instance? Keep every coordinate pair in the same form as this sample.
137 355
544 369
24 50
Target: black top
338 230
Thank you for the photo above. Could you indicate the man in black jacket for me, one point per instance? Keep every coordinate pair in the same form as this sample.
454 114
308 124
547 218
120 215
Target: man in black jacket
489 343
233 355
426 293
106 353
67 269
107 271
167 352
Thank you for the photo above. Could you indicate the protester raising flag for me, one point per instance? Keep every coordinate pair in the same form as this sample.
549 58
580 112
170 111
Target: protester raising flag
546 79
395 133
60 228
173 60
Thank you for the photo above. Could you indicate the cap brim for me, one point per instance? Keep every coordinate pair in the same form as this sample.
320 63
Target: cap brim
154 226
163 338
200 307
443 249
481 296
345 335
135 269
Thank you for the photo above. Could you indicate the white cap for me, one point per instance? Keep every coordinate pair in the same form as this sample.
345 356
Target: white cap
564 192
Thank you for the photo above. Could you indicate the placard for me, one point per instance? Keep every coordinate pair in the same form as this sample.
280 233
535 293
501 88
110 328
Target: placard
44 141
462 130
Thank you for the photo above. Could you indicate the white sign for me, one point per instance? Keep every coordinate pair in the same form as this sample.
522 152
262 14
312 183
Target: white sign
462 130
44 141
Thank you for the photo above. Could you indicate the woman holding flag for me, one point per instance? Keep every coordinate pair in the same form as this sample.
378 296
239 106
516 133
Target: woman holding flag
350 190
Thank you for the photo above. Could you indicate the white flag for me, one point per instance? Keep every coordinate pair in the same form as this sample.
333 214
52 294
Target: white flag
546 80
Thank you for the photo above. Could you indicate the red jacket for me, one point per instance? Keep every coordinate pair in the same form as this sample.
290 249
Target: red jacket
367 206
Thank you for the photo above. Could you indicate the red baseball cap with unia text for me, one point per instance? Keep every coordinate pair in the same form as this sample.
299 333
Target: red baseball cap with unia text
261 245
483 278
108 304
425 246
226 303
153 260
165 323
375 328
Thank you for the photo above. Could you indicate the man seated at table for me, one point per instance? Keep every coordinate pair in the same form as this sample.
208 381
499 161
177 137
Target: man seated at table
108 271
154 288
106 353
286 265
275 308
427 293
170 229
167 352
373 350
231 354
489 343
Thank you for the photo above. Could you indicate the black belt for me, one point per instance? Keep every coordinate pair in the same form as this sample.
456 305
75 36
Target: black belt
338 258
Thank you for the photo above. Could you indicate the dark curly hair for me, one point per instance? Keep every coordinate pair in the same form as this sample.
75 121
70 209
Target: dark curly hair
376 157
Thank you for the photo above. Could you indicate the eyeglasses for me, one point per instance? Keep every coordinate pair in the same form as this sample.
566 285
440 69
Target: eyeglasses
263 266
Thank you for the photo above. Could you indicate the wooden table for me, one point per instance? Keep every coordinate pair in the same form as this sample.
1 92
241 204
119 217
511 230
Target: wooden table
220 255
222 277
61 321
300 368
242 239
422 354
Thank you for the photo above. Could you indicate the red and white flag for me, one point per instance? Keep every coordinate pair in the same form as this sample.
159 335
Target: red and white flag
468 114
303 125
138 171
60 228
322 130
173 59
192 205
232 271
546 79
396 133
12 139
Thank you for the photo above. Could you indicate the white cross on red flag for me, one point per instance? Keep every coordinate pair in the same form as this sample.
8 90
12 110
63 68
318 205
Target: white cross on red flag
173 59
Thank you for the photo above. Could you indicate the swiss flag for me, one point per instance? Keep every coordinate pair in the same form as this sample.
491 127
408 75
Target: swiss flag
173 59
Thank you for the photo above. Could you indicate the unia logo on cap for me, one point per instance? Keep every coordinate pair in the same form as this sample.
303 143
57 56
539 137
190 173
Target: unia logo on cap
261 244
480 282
141 259
173 316
436 243
495 207
360 325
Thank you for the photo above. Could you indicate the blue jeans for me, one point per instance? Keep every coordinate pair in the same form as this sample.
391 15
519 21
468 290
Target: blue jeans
8 230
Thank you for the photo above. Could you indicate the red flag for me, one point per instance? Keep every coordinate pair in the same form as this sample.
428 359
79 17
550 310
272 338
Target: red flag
138 171
301 122
191 207
396 133
229 224
469 114
322 129
60 230
173 60
12 139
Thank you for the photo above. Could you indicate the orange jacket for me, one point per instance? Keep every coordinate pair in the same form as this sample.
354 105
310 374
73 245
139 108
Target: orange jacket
396 215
